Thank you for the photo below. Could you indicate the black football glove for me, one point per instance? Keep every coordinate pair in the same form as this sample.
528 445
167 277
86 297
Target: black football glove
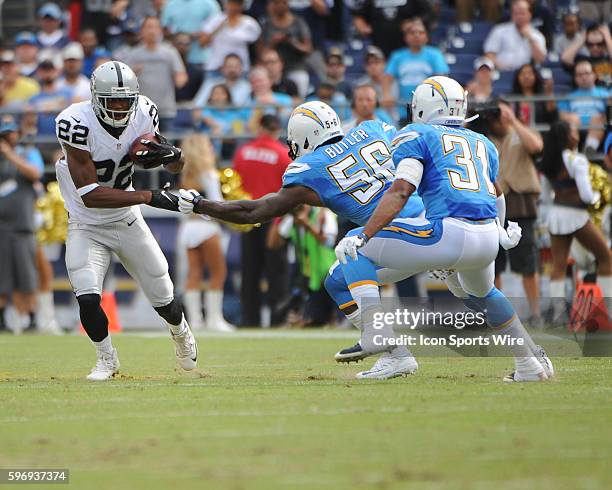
157 154
164 199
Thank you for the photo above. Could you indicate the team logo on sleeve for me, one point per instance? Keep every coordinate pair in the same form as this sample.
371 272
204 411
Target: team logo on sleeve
404 138
309 113
297 168
438 88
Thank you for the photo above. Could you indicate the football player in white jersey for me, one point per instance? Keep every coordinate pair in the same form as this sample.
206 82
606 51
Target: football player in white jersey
95 178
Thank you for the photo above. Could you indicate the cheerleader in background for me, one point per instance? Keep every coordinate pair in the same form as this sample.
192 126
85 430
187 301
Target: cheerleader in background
202 238
568 218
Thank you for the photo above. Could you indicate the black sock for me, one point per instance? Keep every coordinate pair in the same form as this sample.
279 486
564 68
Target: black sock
93 318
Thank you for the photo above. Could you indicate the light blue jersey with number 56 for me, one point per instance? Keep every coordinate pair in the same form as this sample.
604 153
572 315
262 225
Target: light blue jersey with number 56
352 175
459 169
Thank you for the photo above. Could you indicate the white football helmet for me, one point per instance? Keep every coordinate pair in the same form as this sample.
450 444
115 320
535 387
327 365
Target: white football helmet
311 124
439 100
114 80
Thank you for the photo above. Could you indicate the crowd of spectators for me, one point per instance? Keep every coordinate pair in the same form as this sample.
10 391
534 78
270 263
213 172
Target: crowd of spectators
217 67
181 49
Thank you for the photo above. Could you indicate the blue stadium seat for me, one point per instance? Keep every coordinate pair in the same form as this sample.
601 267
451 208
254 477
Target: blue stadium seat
463 62
439 34
447 15
477 30
561 77
461 45
502 87
463 77
183 119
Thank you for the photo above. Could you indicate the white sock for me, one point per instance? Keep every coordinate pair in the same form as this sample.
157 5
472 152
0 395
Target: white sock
523 354
193 306
557 296
214 305
178 329
605 284
104 346
592 142
46 309
355 318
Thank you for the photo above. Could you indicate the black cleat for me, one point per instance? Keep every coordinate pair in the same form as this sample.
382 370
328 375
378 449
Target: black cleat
351 354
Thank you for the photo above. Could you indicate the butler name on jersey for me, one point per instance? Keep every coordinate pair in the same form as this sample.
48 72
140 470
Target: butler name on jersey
79 127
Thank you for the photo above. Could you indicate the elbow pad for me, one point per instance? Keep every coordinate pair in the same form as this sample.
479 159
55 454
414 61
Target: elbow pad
410 170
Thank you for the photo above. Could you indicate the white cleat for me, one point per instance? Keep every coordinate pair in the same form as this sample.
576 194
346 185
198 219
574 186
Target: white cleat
186 349
106 367
545 361
219 325
518 377
387 366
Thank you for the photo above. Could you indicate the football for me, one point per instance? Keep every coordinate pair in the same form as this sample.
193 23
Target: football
137 146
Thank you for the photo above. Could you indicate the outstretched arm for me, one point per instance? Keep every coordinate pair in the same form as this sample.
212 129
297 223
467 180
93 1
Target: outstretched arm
258 210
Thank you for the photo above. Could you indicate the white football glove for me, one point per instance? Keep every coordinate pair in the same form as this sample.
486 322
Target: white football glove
186 198
509 237
349 246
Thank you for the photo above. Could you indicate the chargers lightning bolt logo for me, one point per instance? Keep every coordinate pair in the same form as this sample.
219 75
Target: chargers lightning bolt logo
309 113
438 88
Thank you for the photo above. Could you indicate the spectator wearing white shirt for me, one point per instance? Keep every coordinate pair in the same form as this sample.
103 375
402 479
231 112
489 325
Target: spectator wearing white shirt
512 44
72 77
228 32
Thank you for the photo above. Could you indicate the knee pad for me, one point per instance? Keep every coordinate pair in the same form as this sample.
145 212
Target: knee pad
172 312
93 318
498 308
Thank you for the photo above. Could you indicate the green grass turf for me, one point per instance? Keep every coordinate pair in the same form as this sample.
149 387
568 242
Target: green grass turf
268 413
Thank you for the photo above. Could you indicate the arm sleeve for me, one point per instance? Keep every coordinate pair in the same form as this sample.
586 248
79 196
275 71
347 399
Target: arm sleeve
211 23
70 131
212 186
492 43
540 40
35 159
408 143
578 168
250 31
391 68
177 63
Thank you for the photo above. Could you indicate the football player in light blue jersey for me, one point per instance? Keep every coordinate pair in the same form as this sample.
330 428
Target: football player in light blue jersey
351 175
454 169
348 174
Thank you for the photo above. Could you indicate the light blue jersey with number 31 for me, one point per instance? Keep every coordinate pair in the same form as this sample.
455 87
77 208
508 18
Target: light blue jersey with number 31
352 175
459 169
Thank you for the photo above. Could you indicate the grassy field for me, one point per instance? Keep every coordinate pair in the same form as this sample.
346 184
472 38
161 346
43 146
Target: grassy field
268 413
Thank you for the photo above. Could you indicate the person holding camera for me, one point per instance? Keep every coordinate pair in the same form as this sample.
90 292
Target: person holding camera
20 168
517 145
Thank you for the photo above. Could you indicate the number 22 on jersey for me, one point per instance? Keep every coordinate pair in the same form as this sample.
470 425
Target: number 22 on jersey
469 179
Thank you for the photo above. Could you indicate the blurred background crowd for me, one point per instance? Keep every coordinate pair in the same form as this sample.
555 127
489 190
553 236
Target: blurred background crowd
225 76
